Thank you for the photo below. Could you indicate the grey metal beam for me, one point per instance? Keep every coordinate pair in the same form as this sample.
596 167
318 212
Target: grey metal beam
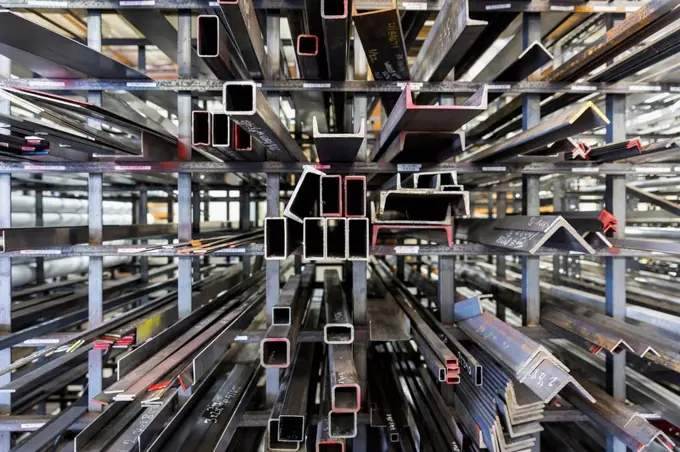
5 270
94 214
184 51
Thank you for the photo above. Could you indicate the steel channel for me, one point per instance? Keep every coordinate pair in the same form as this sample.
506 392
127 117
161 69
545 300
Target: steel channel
409 117
249 109
338 147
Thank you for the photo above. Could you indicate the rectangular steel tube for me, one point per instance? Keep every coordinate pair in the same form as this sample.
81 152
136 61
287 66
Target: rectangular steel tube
221 130
314 233
275 246
334 242
249 108
355 196
200 128
331 196
357 239
303 202
338 328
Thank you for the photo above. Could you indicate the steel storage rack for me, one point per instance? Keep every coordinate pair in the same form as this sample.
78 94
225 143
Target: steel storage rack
411 344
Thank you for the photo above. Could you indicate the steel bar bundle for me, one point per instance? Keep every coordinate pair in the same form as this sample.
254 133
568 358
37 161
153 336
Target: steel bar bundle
527 233
440 359
529 361
615 151
626 423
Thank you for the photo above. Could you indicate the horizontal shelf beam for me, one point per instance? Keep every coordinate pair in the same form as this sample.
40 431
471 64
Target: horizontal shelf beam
350 86
471 249
537 6
575 168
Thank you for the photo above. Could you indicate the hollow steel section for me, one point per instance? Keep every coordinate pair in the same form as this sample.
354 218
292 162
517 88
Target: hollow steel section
338 147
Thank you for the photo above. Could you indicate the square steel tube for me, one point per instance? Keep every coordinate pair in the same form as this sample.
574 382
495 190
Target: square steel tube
342 425
357 239
355 196
275 352
307 45
291 427
338 328
335 236
324 443
344 382
331 196
314 238
281 315
200 128
273 442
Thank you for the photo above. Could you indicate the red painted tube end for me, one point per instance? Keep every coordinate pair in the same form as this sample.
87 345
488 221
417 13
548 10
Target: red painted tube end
307 45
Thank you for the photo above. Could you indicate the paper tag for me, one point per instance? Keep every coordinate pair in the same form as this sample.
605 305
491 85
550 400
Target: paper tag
137 3
408 167
406 249
47 3
141 84
316 85
132 168
494 168
46 84
582 88
35 425
419 6
499 86
561 8
643 88
499 6
652 169
41 341
39 252
586 169
44 168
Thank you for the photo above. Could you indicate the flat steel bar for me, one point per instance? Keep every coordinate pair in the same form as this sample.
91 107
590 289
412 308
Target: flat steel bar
248 107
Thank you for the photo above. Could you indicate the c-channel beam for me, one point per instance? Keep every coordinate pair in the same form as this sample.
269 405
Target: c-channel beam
531 202
94 220
184 50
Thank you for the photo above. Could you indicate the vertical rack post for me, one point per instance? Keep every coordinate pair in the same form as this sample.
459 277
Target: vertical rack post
5 272
615 267
184 304
273 267
447 266
244 205
359 292
558 198
143 214
531 115
94 221
501 205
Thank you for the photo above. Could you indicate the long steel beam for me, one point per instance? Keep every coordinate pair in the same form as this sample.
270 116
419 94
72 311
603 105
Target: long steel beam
241 20
249 108
564 125
338 147
338 328
409 117
335 24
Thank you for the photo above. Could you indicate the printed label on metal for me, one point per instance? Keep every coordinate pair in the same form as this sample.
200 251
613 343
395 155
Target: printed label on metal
233 250
419 6
408 167
586 169
41 341
132 168
141 84
561 8
494 168
44 168
130 250
499 86
652 169
32 252
583 88
316 85
499 6
137 3
643 88
35 425
47 3
240 338
406 249
46 83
